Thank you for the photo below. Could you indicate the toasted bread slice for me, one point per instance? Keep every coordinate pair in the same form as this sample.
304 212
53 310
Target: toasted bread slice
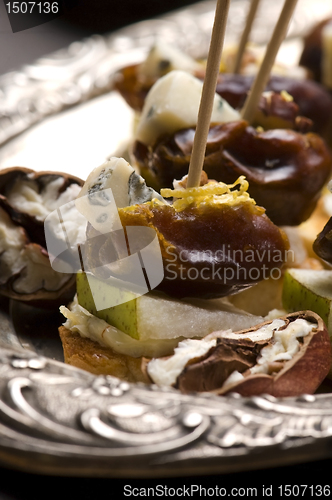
99 360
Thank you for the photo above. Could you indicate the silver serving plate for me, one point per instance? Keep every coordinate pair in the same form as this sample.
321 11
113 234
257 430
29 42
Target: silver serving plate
56 419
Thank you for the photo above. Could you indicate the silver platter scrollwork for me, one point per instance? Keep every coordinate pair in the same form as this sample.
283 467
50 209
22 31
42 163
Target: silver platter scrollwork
56 419
102 426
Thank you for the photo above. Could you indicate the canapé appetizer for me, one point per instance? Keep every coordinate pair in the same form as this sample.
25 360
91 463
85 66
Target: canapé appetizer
134 83
112 327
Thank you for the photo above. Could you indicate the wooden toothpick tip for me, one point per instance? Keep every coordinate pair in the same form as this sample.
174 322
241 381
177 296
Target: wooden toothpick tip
245 35
208 93
250 106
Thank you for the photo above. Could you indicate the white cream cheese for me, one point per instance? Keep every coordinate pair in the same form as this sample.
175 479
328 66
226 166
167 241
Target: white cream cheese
89 326
44 205
283 346
264 333
24 196
165 371
28 260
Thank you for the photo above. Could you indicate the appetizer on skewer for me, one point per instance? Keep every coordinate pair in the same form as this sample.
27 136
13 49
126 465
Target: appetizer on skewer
286 169
208 228
213 240
211 225
317 50
107 341
196 222
313 101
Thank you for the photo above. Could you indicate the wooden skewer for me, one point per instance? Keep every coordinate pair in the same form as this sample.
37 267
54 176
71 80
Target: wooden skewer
208 92
250 106
245 35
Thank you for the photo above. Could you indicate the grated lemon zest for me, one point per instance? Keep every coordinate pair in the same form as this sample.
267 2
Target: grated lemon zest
286 96
212 193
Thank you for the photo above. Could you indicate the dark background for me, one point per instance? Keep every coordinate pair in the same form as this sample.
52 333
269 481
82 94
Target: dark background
23 486
107 15
16 49
89 17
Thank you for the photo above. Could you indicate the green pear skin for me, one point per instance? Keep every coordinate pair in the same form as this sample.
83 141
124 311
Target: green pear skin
157 316
123 316
306 289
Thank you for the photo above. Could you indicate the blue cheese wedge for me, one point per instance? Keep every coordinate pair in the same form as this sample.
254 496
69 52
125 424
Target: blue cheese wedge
112 185
173 103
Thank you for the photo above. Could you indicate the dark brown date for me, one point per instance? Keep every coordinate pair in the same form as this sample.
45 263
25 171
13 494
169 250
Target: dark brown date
322 245
207 251
314 102
311 57
286 170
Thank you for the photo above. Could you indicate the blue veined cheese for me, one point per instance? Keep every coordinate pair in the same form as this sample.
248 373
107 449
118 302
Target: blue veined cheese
173 103
164 58
112 185
327 55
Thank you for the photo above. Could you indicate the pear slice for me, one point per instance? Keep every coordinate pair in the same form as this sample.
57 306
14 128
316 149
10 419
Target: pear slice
157 316
308 289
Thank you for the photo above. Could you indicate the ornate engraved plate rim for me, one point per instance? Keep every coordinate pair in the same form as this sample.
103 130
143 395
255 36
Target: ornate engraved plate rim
60 420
